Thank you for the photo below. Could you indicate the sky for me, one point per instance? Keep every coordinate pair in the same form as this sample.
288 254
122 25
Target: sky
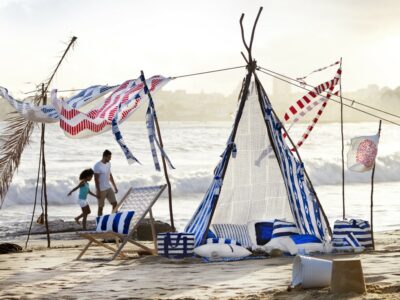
117 39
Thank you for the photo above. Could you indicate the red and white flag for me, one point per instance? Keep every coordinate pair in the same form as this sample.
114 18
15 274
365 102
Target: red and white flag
317 97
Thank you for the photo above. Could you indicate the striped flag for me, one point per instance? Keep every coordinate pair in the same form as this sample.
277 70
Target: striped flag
128 96
308 102
48 113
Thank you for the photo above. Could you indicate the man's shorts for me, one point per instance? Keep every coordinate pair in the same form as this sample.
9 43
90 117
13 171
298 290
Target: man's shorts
109 194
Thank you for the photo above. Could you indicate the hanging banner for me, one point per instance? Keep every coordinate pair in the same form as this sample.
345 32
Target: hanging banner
362 153
118 137
151 132
308 102
48 113
128 96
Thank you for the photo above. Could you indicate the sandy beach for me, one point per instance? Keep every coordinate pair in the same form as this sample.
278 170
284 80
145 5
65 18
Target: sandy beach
44 273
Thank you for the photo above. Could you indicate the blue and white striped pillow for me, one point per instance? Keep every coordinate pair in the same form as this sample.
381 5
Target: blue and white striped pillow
118 222
222 241
237 232
284 228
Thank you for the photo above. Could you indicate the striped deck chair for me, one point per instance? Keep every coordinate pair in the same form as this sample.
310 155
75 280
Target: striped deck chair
137 200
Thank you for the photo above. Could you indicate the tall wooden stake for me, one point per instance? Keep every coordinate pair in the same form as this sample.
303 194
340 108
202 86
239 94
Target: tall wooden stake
42 159
372 194
342 135
44 186
171 214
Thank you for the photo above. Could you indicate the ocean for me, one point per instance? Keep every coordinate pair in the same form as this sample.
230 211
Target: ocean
195 148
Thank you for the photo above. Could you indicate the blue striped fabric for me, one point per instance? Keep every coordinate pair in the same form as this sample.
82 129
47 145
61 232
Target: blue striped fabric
303 202
237 232
118 222
345 242
307 213
118 137
150 124
283 228
198 224
89 94
358 228
175 244
48 113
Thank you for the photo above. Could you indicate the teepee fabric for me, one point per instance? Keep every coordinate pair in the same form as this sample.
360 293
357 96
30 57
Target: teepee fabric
48 113
362 153
263 180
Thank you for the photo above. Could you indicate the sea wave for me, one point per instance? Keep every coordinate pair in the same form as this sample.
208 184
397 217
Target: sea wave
330 172
185 184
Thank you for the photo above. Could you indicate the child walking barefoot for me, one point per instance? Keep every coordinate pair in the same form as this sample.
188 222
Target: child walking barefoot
83 187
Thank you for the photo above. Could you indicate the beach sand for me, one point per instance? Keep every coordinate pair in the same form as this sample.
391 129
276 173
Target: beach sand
54 274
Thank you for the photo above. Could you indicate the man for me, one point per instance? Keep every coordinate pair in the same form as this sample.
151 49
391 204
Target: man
102 178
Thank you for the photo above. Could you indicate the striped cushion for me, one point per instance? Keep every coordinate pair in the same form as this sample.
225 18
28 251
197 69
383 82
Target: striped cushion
222 241
118 222
237 232
284 228
359 228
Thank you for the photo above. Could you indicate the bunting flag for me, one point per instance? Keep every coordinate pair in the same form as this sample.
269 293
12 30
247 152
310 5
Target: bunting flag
309 101
118 137
150 124
362 153
126 98
48 113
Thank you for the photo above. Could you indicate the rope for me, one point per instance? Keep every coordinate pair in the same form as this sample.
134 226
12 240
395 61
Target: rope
348 99
357 109
207 72
174 77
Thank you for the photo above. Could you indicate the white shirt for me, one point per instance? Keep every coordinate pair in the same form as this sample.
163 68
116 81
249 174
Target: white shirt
104 171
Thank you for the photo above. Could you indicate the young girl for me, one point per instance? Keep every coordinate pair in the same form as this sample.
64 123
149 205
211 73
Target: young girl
83 187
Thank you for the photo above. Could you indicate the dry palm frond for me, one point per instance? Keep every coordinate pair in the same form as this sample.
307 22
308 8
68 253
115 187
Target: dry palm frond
12 143
17 134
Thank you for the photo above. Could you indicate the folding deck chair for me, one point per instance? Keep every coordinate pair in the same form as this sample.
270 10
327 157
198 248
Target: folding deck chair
141 201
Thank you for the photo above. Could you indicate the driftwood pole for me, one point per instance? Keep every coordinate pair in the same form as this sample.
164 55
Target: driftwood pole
171 214
372 193
42 159
342 136
43 165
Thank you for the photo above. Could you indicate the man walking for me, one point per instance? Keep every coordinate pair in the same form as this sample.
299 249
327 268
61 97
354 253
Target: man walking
102 179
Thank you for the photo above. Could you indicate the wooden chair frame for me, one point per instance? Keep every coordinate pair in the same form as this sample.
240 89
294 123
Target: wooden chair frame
94 237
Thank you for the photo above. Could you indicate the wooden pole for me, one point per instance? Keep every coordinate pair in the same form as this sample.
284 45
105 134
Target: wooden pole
171 214
251 66
44 186
372 193
342 136
42 160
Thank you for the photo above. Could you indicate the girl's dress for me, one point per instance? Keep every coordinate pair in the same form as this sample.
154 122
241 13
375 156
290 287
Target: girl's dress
82 197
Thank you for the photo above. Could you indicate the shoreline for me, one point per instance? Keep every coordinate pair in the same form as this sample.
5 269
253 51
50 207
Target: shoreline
43 273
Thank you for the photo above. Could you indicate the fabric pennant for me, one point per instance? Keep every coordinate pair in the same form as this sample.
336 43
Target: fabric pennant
118 137
151 132
49 113
150 115
151 135
307 103
130 94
